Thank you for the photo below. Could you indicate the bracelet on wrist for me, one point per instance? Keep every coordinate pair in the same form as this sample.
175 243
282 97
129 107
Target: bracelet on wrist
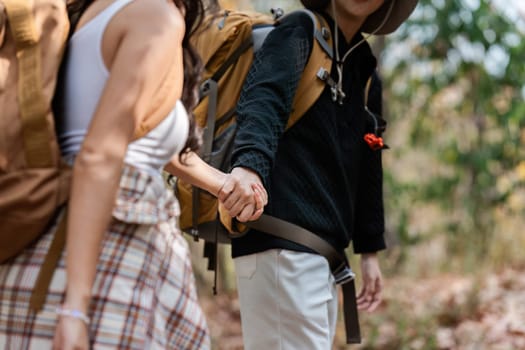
62 311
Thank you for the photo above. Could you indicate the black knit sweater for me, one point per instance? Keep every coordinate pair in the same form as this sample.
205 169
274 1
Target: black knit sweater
320 174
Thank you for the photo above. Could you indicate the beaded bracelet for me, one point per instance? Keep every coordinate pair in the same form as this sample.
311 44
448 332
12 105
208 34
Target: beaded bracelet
73 313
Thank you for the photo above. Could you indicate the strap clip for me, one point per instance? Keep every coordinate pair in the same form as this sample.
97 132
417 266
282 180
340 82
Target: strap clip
343 274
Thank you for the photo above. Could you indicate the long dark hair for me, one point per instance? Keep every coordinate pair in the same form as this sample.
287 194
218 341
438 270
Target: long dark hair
195 11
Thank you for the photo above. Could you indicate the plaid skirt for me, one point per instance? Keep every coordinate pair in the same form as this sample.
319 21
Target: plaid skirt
144 294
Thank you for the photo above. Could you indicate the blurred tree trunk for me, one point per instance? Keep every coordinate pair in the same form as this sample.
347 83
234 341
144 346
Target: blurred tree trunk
205 278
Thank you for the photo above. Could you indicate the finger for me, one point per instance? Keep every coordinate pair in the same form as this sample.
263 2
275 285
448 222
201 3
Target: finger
264 194
364 288
371 286
364 299
257 214
258 200
377 296
227 188
243 200
371 295
360 301
364 303
247 196
371 302
231 201
246 213
259 205
260 189
361 292
376 301
235 211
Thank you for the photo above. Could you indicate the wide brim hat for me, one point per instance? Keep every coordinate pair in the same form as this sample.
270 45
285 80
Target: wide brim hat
401 10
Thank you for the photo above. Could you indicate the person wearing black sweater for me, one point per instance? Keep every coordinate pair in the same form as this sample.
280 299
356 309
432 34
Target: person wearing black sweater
321 175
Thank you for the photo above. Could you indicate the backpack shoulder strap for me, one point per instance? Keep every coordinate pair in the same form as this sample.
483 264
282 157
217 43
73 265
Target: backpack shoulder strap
318 66
33 105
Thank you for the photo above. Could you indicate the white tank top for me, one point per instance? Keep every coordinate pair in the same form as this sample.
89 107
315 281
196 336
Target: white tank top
85 78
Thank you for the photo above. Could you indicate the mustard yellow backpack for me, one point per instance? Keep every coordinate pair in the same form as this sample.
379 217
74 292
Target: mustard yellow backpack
227 45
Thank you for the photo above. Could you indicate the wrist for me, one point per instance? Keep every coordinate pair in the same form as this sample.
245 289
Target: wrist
366 256
78 301
247 172
70 312
221 180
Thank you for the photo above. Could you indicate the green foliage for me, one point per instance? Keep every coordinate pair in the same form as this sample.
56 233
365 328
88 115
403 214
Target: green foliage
455 86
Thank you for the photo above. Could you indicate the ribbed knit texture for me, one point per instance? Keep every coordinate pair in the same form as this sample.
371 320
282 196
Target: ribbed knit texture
320 174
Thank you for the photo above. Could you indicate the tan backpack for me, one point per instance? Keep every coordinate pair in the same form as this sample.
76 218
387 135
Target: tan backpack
34 181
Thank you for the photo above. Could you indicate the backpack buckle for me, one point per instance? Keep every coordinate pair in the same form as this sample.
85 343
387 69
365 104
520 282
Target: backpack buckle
323 74
343 274
277 12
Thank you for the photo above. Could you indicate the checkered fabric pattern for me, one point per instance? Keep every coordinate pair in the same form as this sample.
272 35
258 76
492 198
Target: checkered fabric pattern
144 295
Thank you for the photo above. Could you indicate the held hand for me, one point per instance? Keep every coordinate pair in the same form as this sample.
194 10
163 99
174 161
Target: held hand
71 334
369 296
243 195
261 199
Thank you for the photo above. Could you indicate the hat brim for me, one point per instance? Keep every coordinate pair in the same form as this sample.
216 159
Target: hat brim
400 12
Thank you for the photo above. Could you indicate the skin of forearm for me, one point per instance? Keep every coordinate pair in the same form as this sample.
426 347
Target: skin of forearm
95 183
197 173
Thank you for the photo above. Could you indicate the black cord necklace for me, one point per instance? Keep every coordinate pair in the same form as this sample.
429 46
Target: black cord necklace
338 94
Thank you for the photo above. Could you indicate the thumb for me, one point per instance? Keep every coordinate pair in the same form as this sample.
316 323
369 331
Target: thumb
227 187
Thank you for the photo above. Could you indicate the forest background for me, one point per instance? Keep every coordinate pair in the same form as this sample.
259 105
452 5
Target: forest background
454 91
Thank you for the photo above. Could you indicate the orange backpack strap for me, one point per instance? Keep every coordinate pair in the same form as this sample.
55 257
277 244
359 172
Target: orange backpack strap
33 105
319 65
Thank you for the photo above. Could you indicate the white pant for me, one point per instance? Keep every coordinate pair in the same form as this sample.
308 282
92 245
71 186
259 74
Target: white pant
288 301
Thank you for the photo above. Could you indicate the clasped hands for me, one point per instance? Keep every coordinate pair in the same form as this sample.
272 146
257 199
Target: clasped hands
243 195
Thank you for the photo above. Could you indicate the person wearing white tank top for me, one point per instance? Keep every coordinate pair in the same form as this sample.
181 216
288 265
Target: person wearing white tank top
125 280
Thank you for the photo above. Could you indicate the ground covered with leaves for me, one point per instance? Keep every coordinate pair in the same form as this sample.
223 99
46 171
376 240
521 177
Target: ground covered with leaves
446 312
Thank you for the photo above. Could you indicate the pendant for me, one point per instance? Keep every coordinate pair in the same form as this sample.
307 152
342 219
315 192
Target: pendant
333 89
338 94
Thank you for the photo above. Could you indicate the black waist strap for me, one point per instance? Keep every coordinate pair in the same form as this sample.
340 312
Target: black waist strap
286 230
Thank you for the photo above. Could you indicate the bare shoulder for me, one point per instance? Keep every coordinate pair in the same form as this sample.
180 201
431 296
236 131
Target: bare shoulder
152 17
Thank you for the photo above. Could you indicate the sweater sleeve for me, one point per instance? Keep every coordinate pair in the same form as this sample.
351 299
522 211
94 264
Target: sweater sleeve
267 95
370 222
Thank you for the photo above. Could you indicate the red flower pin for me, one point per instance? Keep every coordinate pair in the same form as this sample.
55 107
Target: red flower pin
374 142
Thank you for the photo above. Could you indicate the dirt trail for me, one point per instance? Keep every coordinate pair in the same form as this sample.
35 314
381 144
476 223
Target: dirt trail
441 312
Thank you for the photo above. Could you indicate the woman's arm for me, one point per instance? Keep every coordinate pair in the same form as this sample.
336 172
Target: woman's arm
248 197
197 172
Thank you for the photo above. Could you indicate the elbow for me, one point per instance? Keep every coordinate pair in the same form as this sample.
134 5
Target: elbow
100 162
